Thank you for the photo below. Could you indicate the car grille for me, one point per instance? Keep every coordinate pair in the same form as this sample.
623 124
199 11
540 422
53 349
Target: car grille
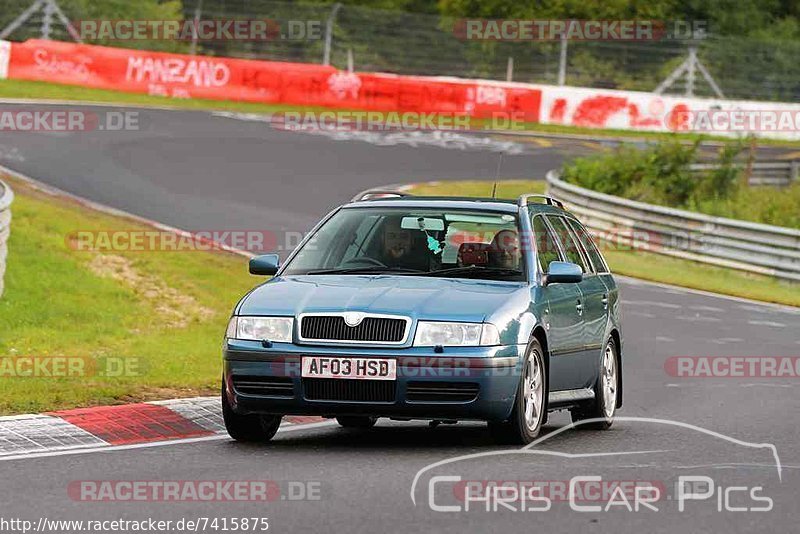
269 386
371 329
442 391
342 389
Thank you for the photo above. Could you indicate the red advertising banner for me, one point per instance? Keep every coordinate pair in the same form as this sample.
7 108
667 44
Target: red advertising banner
183 76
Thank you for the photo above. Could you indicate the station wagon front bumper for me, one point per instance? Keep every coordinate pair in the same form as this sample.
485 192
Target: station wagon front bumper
460 383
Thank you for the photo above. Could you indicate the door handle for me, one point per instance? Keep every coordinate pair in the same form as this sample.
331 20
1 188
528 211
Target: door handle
604 300
579 307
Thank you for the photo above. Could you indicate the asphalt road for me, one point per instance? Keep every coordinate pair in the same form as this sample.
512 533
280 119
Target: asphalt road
198 171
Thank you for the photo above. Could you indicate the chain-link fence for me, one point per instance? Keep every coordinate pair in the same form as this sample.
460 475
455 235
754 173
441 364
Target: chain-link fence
406 43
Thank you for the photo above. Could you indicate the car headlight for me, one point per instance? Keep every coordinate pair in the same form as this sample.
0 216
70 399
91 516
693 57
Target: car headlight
260 328
431 334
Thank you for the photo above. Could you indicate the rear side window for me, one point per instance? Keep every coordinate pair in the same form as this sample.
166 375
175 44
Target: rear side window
546 246
570 243
589 246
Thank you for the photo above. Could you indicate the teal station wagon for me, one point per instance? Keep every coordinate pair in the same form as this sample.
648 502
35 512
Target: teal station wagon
442 309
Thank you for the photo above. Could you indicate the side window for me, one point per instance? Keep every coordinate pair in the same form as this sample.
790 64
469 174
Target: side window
570 243
589 246
546 246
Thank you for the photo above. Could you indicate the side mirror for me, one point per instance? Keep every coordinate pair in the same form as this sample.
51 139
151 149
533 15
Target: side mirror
563 272
265 265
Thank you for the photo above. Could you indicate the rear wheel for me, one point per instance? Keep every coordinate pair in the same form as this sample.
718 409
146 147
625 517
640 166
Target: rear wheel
251 428
605 394
528 414
357 421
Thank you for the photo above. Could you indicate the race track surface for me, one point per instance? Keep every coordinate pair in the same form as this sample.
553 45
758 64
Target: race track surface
198 170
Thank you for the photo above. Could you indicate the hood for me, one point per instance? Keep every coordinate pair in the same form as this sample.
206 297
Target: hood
443 299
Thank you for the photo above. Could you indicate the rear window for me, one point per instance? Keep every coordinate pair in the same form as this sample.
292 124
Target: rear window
589 246
570 243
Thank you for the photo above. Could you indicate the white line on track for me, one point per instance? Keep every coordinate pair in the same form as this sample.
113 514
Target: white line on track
652 303
707 308
767 323
640 314
678 289
727 340
728 385
114 448
735 466
699 318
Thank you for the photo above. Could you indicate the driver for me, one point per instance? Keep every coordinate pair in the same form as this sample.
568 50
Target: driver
396 244
504 251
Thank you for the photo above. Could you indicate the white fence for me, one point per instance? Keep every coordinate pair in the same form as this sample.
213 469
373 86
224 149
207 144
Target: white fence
6 196
757 248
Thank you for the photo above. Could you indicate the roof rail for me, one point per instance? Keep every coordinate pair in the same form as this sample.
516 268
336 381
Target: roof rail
372 194
522 201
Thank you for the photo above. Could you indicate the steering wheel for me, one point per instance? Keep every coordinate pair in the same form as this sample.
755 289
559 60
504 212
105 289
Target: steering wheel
364 259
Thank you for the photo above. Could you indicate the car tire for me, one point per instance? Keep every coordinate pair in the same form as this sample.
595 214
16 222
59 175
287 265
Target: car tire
530 403
357 421
251 428
606 389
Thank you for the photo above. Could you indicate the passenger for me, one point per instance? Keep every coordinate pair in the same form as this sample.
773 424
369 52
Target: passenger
504 251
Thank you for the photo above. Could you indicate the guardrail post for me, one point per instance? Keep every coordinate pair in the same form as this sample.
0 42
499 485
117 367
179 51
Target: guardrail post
6 197
794 167
198 12
326 54
562 61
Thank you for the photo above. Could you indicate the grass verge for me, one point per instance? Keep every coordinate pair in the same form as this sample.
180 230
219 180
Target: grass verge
51 91
638 264
146 325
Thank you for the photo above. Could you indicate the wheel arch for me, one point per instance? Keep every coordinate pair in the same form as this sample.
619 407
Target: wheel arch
618 343
538 333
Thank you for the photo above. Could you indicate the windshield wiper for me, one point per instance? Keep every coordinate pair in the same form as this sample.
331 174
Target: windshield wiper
475 269
360 270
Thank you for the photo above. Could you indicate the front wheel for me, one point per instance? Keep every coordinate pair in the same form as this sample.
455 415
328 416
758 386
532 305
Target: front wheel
527 416
251 428
604 405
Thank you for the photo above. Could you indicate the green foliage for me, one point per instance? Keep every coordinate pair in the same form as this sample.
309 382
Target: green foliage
127 10
660 174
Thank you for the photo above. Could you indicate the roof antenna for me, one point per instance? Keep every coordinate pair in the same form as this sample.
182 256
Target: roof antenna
496 175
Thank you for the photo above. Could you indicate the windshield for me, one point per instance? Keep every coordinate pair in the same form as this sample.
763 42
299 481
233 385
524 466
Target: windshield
414 241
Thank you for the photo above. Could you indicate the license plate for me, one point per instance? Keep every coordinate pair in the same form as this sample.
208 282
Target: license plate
358 368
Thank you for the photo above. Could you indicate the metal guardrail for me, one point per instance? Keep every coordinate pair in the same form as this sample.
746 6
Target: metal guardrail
746 246
774 173
6 197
